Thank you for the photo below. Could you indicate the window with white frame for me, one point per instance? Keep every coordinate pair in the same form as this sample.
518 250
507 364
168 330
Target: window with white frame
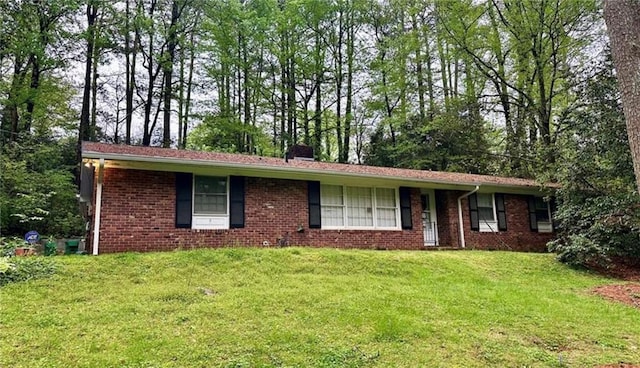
332 208
386 207
486 212
358 207
543 215
542 210
209 195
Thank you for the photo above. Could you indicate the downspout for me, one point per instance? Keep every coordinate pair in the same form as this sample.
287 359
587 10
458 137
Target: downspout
96 216
460 222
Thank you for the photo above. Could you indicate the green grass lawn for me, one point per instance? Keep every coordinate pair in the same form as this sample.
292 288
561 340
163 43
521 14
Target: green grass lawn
298 307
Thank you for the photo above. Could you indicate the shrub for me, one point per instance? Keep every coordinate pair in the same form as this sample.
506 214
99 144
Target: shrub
8 246
25 268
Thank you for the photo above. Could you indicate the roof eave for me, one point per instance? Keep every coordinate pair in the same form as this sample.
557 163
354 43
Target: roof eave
118 157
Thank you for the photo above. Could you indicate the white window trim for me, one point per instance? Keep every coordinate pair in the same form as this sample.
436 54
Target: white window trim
209 221
489 226
374 210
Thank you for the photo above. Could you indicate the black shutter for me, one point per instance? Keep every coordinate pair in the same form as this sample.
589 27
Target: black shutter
236 194
533 219
184 188
405 208
501 212
473 212
313 194
86 183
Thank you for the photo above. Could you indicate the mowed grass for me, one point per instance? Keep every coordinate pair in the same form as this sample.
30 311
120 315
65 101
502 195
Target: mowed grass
299 307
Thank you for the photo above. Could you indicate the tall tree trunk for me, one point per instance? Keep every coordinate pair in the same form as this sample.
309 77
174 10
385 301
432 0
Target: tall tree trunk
33 92
181 87
246 91
130 68
319 73
430 91
151 79
11 117
292 122
623 24
84 133
94 95
444 63
339 81
187 107
349 103
168 74
419 71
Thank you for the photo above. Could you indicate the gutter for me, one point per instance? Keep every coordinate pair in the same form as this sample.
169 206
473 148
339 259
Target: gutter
460 222
303 170
97 213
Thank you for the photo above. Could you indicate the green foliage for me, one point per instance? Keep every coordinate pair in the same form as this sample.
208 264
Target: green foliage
453 141
18 269
598 212
8 245
36 187
224 134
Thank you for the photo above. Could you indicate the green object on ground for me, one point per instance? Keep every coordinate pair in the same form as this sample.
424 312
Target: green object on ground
50 249
71 246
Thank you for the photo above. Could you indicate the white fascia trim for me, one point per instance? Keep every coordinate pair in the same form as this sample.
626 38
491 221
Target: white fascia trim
169 160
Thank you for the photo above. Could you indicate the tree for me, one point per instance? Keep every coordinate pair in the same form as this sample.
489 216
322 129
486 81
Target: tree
36 187
623 24
598 214
35 45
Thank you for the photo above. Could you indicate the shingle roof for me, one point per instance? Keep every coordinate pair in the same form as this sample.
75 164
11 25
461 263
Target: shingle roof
135 153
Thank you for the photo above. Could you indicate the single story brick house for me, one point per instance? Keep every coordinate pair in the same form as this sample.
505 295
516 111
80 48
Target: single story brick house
154 199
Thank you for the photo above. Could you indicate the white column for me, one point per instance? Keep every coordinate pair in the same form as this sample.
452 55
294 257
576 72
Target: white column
98 210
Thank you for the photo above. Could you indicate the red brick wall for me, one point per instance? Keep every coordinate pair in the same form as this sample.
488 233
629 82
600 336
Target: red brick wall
518 236
138 214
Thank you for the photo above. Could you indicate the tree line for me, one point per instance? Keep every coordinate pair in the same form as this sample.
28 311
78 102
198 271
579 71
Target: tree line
357 80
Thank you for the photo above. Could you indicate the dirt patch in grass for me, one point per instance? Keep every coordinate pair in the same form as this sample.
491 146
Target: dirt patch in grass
623 269
625 293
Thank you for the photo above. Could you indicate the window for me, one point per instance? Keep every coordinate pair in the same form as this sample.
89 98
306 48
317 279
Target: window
542 210
210 202
332 208
358 207
210 195
386 210
486 213
543 215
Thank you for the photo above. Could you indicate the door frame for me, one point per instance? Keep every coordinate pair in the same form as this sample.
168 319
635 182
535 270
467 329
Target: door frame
430 193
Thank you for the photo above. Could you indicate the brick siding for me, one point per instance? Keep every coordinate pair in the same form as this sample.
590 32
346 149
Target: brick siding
518 236
138 214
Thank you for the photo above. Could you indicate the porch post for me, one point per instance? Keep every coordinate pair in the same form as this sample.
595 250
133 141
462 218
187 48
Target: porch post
96 216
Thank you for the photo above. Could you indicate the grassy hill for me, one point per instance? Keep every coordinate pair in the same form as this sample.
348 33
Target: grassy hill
298 307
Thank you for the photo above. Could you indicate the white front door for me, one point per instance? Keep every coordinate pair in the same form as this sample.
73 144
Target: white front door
429 225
